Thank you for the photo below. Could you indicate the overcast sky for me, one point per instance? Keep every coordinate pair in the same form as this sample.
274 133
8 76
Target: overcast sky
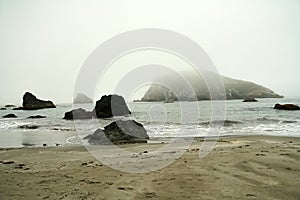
43 44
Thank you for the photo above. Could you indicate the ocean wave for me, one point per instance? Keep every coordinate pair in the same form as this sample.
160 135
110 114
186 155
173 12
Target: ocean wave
221 122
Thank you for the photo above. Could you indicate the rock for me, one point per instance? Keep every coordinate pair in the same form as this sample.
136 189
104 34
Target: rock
10 116
18 108
286 107
9 106
78 114
111 105
19 166
107 106
82 98
97 138
250 99
27 144
221 123
36 117
30 102
2 108
7 162
29 126
119 132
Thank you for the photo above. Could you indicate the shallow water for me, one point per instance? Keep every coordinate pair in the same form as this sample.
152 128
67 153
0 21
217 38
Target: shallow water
161 120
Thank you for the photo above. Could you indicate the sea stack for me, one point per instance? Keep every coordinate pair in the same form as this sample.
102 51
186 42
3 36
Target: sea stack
30 102
111 105
107 107
82 98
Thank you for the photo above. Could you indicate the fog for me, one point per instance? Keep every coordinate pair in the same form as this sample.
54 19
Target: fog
43 44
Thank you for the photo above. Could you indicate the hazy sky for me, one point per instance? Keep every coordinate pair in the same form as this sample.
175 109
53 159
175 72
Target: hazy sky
43 44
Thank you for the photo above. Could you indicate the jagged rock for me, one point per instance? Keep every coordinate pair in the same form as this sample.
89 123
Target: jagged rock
9 106
286 107
30 102
36 117
250 99
78 114
119 132
10 116
82 98
111 105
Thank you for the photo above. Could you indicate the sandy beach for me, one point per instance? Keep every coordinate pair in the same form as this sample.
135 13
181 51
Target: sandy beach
250 167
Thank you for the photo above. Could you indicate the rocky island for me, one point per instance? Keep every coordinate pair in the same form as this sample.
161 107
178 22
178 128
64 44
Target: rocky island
234 89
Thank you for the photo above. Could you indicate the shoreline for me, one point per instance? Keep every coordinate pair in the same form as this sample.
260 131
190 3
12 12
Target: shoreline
152 140
244 167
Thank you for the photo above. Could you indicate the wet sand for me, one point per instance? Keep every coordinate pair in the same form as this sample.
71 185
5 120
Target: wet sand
254 167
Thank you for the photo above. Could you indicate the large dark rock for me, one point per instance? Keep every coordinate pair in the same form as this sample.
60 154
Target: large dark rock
286 107
30 102
78 114
82 98
111 105
10 116
36 117
250 99
2 108
119 132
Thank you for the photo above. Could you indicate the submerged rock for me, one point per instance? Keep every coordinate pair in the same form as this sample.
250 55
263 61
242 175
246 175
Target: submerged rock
250 100
78 114
119 132
10 116
220 123
36 117
286 107
111 105
30 102
29 126
9 106
18 108
8 162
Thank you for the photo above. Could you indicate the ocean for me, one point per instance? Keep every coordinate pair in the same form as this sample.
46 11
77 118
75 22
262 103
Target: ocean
161 120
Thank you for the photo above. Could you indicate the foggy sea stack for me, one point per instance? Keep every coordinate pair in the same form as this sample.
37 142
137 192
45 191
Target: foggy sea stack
233 88
82 98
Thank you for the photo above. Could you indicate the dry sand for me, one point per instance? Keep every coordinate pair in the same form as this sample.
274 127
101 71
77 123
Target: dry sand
255 167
